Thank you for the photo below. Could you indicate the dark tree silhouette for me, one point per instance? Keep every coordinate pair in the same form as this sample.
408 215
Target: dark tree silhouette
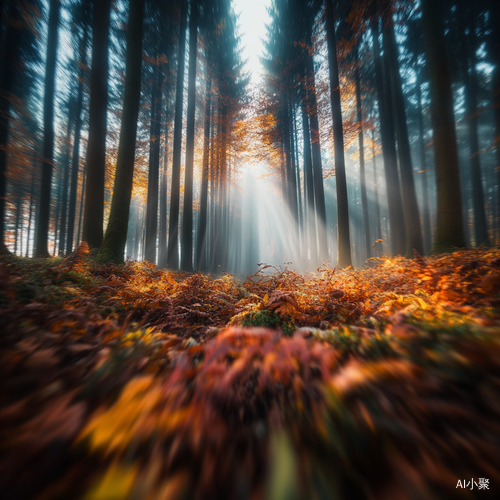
113 246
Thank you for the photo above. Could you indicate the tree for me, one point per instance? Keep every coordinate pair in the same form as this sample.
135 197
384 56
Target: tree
154 157
75 159
364 199
395 203
96 150
449 226
173 228
468 45
42 231
201 247
113 246
344 240
413 230
187 215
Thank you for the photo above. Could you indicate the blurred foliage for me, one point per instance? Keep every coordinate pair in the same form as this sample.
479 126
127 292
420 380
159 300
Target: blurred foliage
125 382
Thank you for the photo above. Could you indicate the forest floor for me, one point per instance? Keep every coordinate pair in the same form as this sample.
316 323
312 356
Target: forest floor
133 382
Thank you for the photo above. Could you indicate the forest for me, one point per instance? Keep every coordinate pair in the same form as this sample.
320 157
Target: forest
249 249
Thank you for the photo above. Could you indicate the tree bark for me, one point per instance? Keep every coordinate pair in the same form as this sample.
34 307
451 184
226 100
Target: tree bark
162 229
495 24
310 212
412 219
173 227
395 204
75 160
362 174
319 190
449 233
344 240
113 246
201 244
65 182
96 151
42 232
187 214
378 221
154 168
480 225
423 167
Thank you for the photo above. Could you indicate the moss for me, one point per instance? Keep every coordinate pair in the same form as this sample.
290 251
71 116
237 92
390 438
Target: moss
268 319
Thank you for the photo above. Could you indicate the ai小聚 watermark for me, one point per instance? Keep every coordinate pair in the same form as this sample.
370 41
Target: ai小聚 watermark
484 484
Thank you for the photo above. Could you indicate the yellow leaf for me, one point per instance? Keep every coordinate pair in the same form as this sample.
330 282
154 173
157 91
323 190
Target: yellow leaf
266 298
114 485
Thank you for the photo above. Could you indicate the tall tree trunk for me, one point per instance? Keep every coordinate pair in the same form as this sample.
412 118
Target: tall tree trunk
65 182
153 172
96 151
212 171
395 204
201 246
293 166
162 229
413 230
129 248
310 212
11 57
173 227
57 205
75 160
344 240
319 190
113 246
378 221
80 213
362 174
423 168
480 225
137 219
42 232
16 223
299 190
187 214
449 226
495 53
32 199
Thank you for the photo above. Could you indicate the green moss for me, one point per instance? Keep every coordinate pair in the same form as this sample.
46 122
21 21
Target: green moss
268 319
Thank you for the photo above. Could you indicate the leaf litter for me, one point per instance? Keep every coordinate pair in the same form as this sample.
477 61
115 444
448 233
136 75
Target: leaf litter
134 382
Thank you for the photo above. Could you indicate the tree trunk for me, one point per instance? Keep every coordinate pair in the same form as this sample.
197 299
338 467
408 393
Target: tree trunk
362 174
42 232
187 214
96 151
113 246
423 168
344 240
378 221
32 199
173 227
10 64
310 212
495 53
319 190
153 171
201 246
480 225
395 204
162 229
65 182
75 160
449 226
412 218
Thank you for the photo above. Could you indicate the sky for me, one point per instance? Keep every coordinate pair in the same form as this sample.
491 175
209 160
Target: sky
252 20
